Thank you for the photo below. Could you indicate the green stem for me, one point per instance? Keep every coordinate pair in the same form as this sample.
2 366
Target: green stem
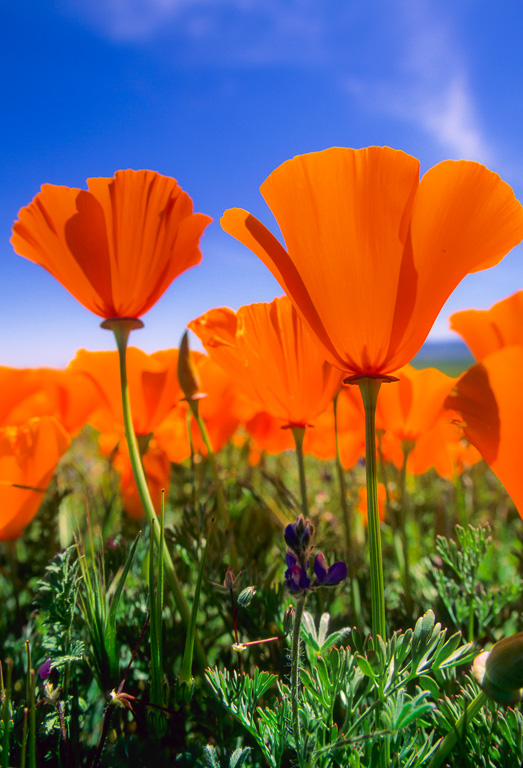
369 388
193 465
472 594
403 514
343 486
458 732
460 500
32 718
299 433
186 671
121 327
295 675
5 693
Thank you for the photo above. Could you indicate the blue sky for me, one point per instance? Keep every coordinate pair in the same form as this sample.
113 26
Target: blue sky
217 93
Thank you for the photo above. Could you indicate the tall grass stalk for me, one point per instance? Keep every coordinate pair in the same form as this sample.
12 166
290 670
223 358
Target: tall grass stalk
156 718
121 328
220 493
346 512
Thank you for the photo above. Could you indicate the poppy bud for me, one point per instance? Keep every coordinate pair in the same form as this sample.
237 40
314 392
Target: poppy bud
187 374
499 672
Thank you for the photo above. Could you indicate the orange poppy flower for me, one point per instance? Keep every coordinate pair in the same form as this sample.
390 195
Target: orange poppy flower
321 440
443 448
487 330
488 399
267 436
30 392
117 246
29 454
373 252
155 392
412 406
408 413
271 356
153 384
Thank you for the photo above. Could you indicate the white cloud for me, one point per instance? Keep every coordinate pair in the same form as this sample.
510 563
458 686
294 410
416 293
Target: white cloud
239 31
402 59
427 83
450 116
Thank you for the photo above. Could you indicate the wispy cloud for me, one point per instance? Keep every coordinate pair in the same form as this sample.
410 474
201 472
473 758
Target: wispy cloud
406 61
228 31
426 80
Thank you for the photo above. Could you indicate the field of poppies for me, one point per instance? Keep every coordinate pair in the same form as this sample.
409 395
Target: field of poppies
294 548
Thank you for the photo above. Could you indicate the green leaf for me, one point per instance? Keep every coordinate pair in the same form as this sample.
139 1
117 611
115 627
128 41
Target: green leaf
365 667
211 756
110 626
427 683
238 757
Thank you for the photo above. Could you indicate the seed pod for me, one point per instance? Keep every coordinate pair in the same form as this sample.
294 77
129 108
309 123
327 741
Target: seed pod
245 597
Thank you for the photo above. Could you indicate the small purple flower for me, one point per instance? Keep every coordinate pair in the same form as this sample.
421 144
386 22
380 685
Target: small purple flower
298 535
328 577
295 576
45 670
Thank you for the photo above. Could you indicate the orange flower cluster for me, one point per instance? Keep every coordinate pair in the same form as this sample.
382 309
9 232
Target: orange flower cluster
273 358
372 253
488 396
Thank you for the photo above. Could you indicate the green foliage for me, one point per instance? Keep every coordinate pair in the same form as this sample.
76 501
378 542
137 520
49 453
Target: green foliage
240 694
473 602
57 596
381 689
99 602
236 760
363 702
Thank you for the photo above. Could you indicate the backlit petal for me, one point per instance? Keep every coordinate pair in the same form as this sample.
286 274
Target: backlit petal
117 246
486 331
488 399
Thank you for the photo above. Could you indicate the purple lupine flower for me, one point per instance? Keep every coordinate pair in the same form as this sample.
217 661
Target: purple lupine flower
296 577
298 536
328 577
45 670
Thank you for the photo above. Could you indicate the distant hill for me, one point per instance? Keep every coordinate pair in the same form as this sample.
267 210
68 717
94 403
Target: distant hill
452 356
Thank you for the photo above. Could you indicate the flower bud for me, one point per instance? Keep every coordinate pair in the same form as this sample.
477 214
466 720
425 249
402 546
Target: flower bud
298 536
288 619
229 579
187 374
245 597
499 672
45 670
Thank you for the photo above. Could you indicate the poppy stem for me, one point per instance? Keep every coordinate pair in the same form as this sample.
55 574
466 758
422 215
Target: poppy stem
403 516
299 433
346 512
186 671
369 388
121 327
